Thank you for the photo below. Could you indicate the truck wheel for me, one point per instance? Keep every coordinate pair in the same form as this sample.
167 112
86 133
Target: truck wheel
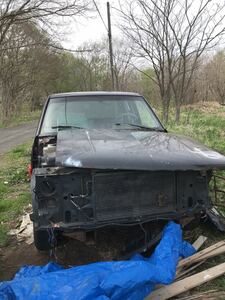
42 239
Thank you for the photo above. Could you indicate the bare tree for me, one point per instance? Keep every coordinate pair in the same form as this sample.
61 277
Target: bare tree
11 72
171 36
27 73
28 48
123 67
216 77
146 27
42 12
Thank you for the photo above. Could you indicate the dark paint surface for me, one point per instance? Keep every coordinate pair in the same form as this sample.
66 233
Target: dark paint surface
97 93
133 150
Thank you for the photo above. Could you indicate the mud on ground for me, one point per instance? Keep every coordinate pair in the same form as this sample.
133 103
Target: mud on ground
108 246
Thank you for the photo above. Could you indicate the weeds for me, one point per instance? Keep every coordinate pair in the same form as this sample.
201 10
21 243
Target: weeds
3 235
206 128
21 119
14 188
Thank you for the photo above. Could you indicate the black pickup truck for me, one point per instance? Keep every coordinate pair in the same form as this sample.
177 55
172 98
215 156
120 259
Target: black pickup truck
104 159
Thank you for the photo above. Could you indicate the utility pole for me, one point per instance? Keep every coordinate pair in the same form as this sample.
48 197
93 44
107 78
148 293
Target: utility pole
110 46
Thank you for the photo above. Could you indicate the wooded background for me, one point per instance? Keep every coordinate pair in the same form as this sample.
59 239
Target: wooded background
170 51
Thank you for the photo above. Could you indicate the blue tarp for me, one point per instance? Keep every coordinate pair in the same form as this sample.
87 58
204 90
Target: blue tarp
128 280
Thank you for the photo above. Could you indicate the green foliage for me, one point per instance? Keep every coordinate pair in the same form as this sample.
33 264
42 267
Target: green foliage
14 188
20 152
23 117
3 235
12 207
3 189
149 88
83 73
17 173
206 128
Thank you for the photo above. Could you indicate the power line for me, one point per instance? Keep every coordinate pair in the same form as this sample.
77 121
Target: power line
108 29
96 6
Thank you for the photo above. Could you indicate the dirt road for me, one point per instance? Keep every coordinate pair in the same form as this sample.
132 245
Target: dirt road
11 137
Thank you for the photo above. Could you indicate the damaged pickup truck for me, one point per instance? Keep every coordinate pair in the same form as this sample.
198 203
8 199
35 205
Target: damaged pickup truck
104 159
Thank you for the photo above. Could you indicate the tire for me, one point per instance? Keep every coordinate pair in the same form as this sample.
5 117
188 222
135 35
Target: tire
41 240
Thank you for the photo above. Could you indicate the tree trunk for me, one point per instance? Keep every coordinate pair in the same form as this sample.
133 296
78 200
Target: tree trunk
177 115
165 114
165 106
7 109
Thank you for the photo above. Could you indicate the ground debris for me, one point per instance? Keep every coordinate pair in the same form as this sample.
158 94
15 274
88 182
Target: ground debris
76 252
187 283
186 280
209 295
25 231
199 242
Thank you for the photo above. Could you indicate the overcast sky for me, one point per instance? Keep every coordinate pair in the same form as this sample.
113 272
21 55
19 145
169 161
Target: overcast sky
90 29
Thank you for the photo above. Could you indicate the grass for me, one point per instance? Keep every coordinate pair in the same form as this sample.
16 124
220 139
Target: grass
208 128
206 123
14 188
24 117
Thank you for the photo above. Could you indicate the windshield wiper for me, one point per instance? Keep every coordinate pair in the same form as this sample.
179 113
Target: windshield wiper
140 126
66 127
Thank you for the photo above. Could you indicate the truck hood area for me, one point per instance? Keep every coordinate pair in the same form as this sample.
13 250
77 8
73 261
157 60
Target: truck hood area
133 150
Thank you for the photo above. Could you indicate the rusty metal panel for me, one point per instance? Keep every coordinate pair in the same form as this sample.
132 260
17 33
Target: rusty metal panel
133 194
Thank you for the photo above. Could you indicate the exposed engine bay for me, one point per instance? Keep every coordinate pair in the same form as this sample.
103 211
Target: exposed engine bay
105 160
90 198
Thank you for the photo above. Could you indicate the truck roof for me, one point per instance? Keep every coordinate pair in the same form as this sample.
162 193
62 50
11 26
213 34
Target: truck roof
96 93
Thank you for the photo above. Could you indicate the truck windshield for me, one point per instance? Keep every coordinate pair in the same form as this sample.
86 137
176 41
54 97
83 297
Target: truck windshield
99 112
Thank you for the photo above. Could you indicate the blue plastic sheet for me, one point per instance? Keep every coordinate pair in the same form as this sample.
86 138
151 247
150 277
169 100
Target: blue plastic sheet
127 280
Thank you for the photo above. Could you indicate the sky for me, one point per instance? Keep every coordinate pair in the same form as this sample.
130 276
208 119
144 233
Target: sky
89 29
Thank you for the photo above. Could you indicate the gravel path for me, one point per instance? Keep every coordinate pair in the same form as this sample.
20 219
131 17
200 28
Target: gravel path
11 137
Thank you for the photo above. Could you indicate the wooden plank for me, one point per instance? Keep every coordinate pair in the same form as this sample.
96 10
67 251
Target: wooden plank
196 296
188 261
186 284
199 242
211 251
209 295
197 245
180 273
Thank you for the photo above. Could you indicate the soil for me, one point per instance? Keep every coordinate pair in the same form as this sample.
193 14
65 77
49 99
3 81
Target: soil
70 254
107 245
